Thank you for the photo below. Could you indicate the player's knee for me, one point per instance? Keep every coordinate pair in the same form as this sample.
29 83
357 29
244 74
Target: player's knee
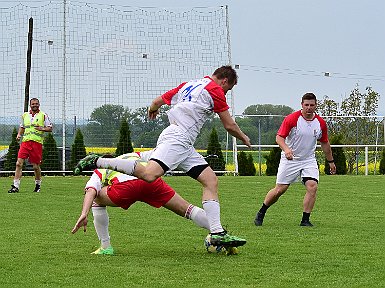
19 164
148 177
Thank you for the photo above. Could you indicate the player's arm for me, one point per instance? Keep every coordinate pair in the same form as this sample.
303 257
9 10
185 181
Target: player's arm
20 133
282 144
232 127
153 110
90 194
326 148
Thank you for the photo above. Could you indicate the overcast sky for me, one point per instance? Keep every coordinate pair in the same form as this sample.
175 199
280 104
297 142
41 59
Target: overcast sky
284 48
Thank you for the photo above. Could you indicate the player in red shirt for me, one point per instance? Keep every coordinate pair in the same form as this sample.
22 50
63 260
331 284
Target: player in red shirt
297 137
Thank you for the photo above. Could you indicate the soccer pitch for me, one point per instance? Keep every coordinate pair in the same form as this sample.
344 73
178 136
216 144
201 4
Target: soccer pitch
156 248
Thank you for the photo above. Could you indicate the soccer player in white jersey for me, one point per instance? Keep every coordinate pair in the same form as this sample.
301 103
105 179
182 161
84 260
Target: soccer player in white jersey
192 104
297 137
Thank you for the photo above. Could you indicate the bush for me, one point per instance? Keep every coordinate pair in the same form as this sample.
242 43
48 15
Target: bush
51 160
245 164
338 156
382 162
78 150
13 149
124 144
217 163
272 161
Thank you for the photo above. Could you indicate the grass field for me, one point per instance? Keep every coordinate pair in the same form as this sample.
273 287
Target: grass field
155 248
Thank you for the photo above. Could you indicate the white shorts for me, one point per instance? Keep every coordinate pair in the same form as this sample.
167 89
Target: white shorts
174 150
290 171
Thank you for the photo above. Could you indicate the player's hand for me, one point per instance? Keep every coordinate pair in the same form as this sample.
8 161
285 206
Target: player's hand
289 154
333 168
152 114
82 221
246 141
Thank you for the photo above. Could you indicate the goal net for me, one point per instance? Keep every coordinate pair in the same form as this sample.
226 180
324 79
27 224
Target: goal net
85 56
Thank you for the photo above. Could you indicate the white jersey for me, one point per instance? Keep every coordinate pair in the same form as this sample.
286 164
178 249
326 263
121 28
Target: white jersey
193 103
301 135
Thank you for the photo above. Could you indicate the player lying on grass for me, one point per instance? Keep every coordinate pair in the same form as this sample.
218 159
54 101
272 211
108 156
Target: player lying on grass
111 188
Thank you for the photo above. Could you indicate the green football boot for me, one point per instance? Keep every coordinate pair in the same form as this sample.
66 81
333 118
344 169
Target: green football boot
88 162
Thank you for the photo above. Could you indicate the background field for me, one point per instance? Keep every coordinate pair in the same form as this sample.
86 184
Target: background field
156 248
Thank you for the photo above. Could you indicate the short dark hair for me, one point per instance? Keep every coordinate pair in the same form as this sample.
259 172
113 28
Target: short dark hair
309 96
226 72
30 100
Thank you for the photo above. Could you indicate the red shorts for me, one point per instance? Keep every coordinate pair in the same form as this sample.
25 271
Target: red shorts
32 151
126 193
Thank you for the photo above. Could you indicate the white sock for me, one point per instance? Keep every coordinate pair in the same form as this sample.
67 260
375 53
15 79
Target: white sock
101 222
212 210
122 165
38 182
16 183
198 216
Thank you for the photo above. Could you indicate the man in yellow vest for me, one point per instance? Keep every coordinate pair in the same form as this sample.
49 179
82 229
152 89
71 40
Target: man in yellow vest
32 127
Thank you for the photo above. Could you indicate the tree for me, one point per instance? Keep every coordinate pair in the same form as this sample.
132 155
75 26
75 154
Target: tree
78 150
382 162
13 149
50 157
103 125
250 165
272 161
242 163
124 144
268 125
217 163
359 129
338 156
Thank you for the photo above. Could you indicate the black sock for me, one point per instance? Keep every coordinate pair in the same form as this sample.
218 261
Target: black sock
263 208
305 216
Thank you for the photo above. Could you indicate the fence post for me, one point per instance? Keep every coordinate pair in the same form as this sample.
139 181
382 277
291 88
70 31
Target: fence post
366 160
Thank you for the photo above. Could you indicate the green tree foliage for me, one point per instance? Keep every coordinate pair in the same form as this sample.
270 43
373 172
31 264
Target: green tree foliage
214 148
78 150
272 161
124 144
382 162
103 126
51 160
145 132
13 149
354 130
268 126
338 156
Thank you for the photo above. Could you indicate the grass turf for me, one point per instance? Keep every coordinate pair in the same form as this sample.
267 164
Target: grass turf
156 248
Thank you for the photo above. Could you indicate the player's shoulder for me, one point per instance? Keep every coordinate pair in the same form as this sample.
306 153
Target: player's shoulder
293 116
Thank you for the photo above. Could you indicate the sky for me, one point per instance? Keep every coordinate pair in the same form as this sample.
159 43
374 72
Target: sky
285 48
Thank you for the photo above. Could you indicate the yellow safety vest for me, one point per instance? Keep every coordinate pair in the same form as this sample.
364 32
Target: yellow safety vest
30 133
108 175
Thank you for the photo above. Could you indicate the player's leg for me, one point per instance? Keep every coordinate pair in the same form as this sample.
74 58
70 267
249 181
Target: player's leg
271 197
101 222
309 200
18 173
288 171
310 178
37 172
183 208
211 206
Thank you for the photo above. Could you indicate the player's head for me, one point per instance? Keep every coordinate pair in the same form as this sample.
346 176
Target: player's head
309 104
226 77
34 104
309 96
